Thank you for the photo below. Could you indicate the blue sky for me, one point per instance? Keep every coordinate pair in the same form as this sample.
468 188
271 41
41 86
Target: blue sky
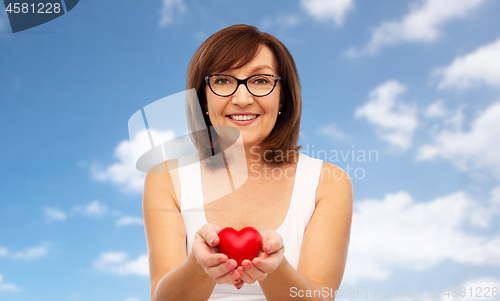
416 82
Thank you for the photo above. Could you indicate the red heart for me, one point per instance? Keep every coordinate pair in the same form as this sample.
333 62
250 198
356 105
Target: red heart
240 245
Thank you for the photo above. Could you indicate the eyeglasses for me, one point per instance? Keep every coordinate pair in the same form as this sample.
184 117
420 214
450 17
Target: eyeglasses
226 85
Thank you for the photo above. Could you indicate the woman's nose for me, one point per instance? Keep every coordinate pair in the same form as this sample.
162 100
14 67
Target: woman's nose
242 97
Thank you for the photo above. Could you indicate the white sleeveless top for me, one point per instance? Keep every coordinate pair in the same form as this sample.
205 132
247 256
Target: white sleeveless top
292 229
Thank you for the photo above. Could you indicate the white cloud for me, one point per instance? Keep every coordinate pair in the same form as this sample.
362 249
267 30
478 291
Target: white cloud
331 131
436 109
328 10
32 253
171 9
54 214
129 220
481 67
495 195
397 233
117 263
28 254
132 299
394 120
8 287
124 173
457 119
446 117
94 209
469 150
422 24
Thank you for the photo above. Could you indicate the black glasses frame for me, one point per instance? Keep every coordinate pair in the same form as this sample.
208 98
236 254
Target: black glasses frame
242 81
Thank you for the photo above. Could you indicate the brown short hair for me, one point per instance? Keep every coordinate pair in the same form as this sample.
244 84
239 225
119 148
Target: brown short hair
233 47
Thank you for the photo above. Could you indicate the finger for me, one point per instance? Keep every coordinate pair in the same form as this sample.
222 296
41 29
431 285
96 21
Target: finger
245 277
209 233
221 269
211 259
272 243
239 285
228 278
267 262
252 271
206 255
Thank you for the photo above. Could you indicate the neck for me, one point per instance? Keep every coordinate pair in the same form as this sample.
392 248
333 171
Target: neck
252 160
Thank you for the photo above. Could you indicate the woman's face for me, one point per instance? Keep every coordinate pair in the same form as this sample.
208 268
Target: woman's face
222 109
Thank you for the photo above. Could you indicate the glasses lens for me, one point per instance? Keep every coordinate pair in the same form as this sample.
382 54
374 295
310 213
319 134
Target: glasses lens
260 84
222 85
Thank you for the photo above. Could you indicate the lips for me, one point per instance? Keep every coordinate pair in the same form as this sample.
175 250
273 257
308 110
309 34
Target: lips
243 122
243 117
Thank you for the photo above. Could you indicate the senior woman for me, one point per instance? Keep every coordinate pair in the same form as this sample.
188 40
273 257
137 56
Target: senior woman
247 80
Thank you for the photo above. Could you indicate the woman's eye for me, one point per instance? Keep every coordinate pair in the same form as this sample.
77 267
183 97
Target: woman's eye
261 81
222 81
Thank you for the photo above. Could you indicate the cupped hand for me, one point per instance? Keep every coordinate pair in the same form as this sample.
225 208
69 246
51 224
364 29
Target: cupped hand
216 265
267 261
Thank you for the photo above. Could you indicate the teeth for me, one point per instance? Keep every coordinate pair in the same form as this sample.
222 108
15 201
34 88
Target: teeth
243 117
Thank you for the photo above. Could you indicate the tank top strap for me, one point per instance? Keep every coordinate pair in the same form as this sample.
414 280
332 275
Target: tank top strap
306 182
191 187
192 209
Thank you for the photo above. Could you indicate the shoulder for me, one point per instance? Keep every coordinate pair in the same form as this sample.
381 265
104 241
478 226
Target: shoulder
334 185
163 181
328 232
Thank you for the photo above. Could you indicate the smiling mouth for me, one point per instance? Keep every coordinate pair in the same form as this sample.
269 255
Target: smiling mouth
243 117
